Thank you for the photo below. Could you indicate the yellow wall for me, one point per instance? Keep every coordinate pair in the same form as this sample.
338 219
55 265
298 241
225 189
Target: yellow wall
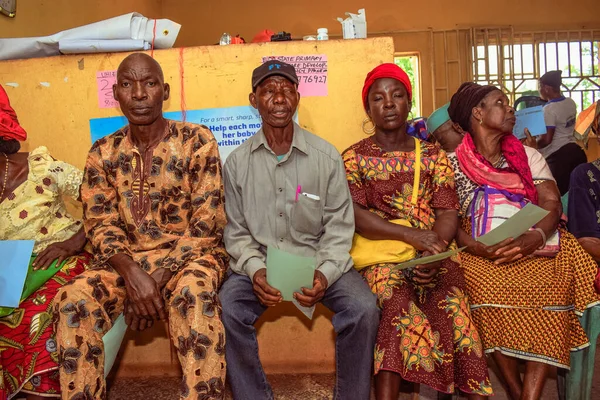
408 23
58 116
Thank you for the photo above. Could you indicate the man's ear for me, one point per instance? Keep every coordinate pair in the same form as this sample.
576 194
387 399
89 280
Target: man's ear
167 92
252 98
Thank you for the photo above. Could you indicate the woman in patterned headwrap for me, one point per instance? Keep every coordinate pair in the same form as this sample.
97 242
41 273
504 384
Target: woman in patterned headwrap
525 306
425 334
32 186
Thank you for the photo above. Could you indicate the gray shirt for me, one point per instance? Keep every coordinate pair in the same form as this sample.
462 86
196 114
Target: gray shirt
261 206
559 114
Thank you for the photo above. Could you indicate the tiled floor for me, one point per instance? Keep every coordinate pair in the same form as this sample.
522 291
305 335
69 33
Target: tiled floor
304 387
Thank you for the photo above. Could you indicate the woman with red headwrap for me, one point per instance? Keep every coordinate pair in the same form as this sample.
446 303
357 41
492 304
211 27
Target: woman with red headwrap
524 305
425 334
32 186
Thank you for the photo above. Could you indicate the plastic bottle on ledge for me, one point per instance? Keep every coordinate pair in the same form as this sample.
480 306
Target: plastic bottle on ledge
225 39
322 34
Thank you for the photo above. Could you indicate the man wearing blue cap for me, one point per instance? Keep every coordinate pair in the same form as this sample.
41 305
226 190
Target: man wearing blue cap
286 189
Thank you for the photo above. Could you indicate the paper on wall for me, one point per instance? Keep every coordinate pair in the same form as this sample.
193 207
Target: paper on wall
102 46
128 26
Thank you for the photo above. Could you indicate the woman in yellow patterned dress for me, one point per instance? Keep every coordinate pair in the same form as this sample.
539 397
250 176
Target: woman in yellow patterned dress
426 334
32 187
525 305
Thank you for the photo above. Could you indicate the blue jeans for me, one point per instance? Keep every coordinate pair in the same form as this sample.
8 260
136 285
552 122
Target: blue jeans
356 321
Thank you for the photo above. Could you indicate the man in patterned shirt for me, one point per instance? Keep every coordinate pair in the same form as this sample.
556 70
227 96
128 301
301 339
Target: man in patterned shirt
154 213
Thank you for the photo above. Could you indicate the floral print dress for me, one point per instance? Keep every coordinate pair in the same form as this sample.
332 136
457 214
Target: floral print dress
426 333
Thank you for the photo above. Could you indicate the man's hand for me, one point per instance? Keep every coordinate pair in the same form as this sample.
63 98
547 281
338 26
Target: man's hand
143 294
310 297
267 295
162 277
134 322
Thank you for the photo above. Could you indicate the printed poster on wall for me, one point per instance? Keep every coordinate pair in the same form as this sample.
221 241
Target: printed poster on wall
311 70
104 82
231 126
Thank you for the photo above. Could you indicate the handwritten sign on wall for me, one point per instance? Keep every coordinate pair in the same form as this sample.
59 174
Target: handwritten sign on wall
311 70
105 81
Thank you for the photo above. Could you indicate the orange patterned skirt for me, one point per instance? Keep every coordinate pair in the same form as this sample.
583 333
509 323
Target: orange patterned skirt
529 309
426 333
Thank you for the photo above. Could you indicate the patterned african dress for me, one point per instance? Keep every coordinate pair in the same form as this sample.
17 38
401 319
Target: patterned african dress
584 200
35 210
426 334
529 308
164 208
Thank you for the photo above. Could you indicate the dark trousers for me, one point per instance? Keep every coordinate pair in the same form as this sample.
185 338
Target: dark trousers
563 161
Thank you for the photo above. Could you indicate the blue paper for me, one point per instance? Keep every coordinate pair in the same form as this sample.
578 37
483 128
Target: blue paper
13 270
531 118
112 342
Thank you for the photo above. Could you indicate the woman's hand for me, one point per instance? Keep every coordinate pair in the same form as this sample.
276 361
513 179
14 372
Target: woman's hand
428 241
490 252
529 140
424 274
523 246
60 251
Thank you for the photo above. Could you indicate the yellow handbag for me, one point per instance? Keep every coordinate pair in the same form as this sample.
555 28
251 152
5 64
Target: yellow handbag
366 252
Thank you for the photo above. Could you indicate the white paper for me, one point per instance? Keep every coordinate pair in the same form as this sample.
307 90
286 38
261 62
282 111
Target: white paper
101 46
128 26
355 26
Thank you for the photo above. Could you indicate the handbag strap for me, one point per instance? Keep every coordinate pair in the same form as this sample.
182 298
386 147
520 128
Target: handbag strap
417 181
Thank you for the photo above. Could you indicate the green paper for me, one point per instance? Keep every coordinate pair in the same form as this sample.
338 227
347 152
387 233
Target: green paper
428 259
515 226
288 272
112 342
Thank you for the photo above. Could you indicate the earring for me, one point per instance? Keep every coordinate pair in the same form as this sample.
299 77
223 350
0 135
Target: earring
369 131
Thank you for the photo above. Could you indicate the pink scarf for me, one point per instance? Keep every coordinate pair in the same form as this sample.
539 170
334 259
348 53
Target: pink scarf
515 179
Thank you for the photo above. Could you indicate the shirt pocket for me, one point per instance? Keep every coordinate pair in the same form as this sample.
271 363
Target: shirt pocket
307 215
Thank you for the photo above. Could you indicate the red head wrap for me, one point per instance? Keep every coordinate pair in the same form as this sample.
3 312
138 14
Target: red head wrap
9 124
387 70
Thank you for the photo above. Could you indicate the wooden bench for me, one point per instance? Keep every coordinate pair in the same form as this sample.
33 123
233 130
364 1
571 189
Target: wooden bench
288 343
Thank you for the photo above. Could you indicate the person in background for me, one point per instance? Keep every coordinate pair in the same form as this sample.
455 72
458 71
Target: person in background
558 145
153 210
32 207
524 305
584 195
446 133
426 334
286 188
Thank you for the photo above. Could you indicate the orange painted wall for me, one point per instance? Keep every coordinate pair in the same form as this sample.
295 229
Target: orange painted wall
203 21
46 17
